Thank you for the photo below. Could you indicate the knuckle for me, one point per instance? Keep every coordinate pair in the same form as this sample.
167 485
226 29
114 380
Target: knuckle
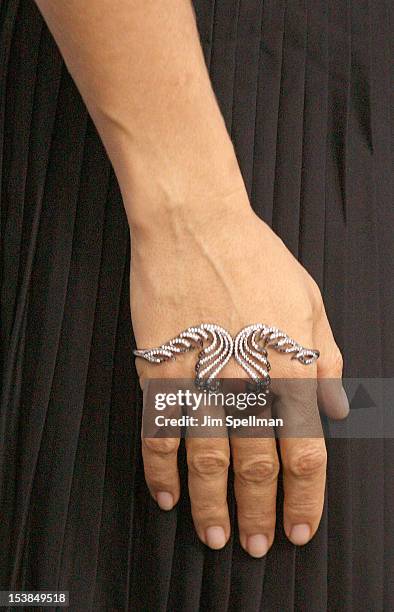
162 446
299 509
293 370
208 463
159 482
256 518
258 470
316 296
337 361
308 462
204 508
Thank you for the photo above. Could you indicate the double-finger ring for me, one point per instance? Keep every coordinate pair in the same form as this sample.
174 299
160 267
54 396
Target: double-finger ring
249 348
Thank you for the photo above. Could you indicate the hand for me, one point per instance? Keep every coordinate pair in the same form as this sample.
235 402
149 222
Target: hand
231 269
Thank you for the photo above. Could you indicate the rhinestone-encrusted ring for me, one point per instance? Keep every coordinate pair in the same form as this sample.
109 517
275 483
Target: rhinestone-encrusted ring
249 348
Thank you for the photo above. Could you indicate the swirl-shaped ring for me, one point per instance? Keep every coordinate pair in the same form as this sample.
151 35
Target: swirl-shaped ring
249 348
211 359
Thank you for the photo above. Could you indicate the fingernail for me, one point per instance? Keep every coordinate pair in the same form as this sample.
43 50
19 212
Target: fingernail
215 537
165 500
300 534
257 545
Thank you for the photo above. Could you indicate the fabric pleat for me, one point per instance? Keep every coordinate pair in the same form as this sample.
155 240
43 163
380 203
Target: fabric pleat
222 53
315 117
205 15
305 89
244 97
268 97
45 347
288 161
26 38
382 104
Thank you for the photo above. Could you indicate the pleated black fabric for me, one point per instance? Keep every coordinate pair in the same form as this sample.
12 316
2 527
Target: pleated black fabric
305 87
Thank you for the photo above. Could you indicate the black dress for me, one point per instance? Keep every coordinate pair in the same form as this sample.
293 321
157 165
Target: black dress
305 87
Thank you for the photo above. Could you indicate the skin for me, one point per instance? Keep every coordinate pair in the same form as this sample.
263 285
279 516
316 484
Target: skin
140 69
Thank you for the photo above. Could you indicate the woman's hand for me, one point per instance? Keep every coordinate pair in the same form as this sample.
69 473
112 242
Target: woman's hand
224 265
142 75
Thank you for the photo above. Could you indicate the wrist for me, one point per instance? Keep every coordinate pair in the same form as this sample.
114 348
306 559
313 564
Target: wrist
199 189
200 212
193 236
184 170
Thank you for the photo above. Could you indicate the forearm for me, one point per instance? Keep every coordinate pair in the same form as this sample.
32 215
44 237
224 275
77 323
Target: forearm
140 69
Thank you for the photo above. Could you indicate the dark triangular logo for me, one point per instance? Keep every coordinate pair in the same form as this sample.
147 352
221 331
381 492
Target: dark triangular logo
361 399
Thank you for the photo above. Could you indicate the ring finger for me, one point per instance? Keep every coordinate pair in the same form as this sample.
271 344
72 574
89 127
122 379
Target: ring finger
256 467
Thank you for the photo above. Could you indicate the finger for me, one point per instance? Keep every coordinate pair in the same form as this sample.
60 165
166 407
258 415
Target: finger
304 475
161 470
295 404
256 467
302 447
160 443
331 395
208 460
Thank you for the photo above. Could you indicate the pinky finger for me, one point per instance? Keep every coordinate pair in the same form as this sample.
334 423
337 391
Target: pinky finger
331 395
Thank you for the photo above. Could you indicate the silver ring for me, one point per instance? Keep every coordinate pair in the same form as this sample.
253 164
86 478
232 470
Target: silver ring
249 347
211 359
251 350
